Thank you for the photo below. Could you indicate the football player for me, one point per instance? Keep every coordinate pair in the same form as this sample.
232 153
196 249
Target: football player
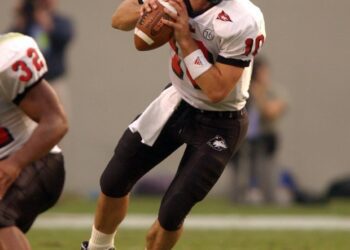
32 122
204 107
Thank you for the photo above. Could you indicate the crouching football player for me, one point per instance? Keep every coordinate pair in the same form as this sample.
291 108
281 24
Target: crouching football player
204 108
32 122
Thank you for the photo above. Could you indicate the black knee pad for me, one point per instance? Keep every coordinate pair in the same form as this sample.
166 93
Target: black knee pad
174 210
188 190
115 181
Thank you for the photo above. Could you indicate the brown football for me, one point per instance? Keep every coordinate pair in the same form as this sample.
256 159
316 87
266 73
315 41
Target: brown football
150 32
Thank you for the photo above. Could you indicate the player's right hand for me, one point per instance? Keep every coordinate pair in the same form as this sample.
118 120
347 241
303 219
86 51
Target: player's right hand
9 171
148 6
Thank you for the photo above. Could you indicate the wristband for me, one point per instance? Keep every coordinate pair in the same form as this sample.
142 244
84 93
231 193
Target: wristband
196 63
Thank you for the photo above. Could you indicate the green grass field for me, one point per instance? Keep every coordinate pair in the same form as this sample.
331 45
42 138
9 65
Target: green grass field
207 240
204 240
150 205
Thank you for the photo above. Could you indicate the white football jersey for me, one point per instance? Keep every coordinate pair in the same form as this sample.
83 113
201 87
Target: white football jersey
21 66
231 32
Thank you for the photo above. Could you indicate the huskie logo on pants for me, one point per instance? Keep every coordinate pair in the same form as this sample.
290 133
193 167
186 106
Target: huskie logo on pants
218 143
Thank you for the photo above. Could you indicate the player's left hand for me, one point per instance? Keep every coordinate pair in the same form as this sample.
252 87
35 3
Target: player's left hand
180 21
9 171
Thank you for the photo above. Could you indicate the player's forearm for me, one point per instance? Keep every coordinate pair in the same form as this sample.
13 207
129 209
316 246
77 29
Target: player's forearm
213 85
126 15
47 134
211 82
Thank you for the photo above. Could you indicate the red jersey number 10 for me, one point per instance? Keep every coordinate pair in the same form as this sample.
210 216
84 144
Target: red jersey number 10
250 42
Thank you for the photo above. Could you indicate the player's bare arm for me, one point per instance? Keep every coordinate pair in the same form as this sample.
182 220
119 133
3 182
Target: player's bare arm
128 12
220 79
126 15
41 105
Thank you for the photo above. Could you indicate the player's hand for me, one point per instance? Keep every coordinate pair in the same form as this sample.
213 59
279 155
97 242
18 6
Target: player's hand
148 6
180 21
9 171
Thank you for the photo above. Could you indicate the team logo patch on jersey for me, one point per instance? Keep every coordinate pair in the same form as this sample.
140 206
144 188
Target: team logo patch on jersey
224 17
198 61
208 34
218 143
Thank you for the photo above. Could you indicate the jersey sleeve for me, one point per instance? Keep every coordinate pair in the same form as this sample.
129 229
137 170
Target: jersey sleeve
239 46
26 69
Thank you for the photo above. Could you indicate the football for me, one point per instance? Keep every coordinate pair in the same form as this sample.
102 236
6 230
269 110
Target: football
150 31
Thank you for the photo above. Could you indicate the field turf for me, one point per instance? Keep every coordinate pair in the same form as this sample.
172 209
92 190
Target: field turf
203 240
207 240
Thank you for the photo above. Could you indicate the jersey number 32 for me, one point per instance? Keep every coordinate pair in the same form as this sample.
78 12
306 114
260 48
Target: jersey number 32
27 72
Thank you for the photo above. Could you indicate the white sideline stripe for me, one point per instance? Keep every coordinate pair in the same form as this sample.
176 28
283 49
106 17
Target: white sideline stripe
143 36
212 222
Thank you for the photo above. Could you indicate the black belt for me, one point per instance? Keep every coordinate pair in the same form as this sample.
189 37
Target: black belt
216 114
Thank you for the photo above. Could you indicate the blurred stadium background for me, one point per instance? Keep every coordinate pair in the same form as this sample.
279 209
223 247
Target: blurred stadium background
109 83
